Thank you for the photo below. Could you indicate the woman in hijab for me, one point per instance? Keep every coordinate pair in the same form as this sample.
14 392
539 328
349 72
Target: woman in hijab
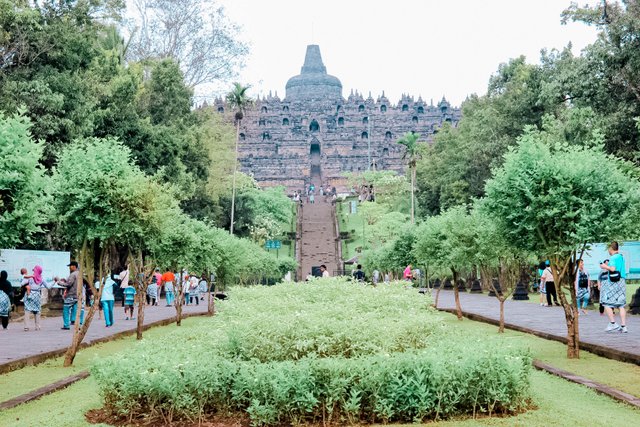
32 300
6 299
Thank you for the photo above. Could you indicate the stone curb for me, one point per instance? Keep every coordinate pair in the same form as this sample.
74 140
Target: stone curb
600 388
42 391
600 350
39 358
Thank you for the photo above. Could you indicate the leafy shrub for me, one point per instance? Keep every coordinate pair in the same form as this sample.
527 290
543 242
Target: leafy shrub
323 318
327 363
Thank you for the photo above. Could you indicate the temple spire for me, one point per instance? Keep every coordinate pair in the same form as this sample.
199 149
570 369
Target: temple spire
313 61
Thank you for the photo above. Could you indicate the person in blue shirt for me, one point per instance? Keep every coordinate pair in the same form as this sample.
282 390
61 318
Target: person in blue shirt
129 300
107 300
613 289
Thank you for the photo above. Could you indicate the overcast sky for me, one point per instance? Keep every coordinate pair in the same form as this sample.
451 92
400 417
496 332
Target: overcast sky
429 47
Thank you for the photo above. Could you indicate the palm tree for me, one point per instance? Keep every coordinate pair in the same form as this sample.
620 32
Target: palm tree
410 141
238 100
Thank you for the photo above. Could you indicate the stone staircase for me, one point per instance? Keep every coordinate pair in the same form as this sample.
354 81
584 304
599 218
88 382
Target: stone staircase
318 238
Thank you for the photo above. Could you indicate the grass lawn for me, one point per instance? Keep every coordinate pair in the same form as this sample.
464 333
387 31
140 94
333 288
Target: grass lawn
558 402
623 376
33 377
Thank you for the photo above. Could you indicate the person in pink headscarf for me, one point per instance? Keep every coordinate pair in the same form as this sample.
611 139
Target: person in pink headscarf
33 299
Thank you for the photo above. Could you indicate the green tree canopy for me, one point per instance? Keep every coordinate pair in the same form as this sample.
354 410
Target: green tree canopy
24 189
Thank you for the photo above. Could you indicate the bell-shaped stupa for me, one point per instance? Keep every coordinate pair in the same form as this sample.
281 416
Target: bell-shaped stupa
313 82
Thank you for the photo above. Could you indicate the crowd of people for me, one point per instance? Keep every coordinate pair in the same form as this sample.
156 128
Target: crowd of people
190 288
329 193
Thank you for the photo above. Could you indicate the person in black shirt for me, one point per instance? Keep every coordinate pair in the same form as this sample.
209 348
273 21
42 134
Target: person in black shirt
359 274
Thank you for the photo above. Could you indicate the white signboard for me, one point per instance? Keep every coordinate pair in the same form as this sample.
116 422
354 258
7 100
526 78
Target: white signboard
53 263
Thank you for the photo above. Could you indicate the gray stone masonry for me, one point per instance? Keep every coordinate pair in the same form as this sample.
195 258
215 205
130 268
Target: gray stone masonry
278 136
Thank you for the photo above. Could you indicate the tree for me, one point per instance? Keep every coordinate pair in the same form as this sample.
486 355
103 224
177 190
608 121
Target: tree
606 77
103 201
238 99
495 257
194 33
553 199
448 241
411 155
24 188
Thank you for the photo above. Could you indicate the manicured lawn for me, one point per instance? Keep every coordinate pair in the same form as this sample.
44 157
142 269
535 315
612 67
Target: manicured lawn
561 403
33 377
623 376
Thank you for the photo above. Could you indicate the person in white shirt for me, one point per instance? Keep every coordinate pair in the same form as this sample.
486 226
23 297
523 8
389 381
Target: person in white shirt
194 292
107 300
325 272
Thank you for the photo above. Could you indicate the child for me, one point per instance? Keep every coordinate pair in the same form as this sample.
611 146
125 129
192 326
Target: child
152 292
25 289
129 300
185 289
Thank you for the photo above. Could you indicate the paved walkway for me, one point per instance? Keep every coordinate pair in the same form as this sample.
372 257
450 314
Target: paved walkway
16 344
549 320
318 238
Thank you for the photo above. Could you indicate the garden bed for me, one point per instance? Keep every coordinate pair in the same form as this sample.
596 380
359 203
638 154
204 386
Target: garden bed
325 351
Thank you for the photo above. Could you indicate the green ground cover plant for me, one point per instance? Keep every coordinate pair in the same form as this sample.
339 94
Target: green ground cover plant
328 350
557 402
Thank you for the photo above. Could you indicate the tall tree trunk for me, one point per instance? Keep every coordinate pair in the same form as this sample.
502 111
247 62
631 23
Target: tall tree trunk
570 307
435 304
501 325
79 332
178 301
413 187
140 283
233 191
456 294
571 318
210 306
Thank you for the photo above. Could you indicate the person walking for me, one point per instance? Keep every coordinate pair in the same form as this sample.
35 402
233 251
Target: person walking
33 298
107 301
123 277
604 275
613 291
70 297
130 301
152 292
194 291
541 286
6 299
202 287
158 277
185 288
582 287
168 280
549 285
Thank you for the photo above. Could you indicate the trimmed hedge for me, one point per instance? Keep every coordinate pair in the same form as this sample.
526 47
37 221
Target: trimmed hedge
225 368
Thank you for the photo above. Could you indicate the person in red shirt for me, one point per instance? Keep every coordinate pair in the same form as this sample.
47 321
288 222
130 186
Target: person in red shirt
168 279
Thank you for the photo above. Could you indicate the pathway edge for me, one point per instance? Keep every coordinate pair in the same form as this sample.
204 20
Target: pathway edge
609 353
14 365
43 391
616 394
